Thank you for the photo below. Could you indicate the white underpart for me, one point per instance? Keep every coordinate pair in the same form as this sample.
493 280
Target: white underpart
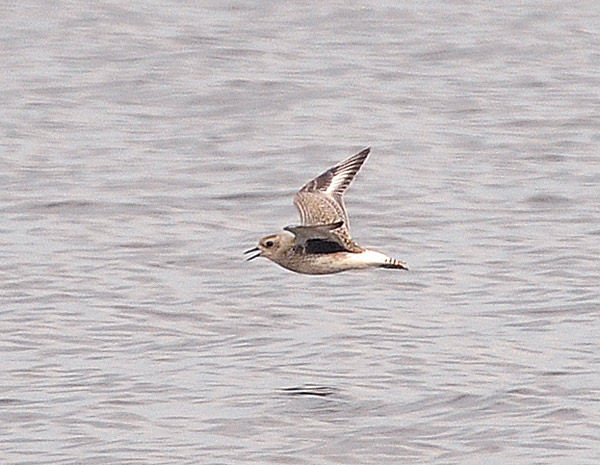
368 258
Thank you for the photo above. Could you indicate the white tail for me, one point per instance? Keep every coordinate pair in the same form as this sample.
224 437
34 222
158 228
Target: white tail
393 263
370 258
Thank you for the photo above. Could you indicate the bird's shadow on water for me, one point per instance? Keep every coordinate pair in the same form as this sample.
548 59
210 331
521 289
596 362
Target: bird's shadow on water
309 390
315 400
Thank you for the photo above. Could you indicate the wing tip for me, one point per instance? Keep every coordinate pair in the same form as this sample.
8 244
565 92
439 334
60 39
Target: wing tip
346 170
356 160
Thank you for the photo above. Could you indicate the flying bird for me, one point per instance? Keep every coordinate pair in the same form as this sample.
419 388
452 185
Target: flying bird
322 243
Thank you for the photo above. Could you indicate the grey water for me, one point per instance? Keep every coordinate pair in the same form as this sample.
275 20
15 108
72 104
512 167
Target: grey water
145 145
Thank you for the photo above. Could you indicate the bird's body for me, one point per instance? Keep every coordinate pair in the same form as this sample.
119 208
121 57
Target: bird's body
328 263
322 243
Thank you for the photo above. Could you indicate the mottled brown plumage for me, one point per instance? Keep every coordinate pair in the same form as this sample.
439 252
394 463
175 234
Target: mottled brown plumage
322 243
321 200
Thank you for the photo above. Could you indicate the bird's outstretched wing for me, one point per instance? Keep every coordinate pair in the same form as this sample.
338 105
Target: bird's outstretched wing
319 239
321 201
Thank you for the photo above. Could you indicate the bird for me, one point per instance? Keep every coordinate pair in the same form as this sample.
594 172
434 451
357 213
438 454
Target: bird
322 244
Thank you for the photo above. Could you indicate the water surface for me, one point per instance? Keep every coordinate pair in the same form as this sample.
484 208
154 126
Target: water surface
146 146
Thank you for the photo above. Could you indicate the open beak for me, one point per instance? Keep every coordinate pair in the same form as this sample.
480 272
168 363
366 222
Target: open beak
255 249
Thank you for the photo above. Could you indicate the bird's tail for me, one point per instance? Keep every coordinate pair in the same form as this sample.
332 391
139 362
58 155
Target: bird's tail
390 262
373 259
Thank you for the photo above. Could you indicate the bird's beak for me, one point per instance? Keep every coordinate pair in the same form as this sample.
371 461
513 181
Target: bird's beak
255 249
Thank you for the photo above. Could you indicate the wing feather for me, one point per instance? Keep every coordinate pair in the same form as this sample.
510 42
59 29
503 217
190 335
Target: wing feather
336 179
323 238
321 201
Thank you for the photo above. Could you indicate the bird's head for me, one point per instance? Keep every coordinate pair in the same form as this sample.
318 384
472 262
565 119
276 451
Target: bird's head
272 246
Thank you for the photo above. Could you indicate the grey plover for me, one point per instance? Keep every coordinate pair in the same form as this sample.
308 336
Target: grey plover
322 243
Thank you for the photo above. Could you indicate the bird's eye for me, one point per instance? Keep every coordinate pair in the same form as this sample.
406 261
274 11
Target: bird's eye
269 243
